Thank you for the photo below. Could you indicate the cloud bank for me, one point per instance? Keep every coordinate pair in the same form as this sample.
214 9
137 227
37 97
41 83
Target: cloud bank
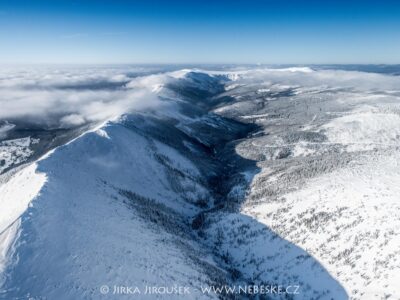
307 77
69 97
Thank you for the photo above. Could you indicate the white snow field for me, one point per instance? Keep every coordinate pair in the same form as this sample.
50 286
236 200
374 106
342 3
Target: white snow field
79 234
328 182
14 152
280 177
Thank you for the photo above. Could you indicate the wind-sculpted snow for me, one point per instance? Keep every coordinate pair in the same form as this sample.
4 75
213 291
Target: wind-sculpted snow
282 177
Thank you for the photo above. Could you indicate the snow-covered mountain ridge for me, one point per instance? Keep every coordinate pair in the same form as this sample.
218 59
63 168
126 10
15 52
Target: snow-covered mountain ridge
241 177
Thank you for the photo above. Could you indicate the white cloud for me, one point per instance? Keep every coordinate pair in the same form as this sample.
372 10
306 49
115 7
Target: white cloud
68 97
72 120
4 128
305 77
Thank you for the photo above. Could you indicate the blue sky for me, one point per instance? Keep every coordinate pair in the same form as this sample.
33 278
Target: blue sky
292 32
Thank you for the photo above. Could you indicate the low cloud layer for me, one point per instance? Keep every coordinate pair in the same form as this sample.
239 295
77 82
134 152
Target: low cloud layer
69 97
307 77
65 97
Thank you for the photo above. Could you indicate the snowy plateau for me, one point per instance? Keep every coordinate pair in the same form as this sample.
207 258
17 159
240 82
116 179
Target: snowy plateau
239 176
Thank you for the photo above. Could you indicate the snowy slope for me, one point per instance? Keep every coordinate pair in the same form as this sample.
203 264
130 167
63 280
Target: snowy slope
112 207
284 177
326 180
82 232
